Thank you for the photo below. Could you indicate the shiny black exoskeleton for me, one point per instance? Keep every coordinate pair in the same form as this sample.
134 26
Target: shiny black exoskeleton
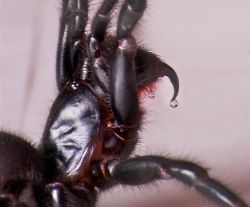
94 122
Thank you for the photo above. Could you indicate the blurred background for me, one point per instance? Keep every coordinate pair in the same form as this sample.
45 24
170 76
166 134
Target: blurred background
208 45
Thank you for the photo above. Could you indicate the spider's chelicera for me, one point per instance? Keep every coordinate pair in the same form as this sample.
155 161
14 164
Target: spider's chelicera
94 122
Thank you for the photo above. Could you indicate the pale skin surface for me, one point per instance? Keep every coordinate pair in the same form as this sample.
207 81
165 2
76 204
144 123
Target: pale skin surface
207 43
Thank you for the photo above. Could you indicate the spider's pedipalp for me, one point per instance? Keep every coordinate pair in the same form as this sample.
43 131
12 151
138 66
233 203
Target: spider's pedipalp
123 86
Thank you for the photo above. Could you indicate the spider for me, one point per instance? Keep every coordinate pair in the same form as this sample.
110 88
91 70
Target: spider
94 122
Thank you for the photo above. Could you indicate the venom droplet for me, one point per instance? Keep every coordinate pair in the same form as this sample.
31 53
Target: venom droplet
151 93
174 103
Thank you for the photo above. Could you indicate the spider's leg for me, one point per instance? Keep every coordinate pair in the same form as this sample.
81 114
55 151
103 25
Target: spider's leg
98 30
21 178
149 68
101 21
146 169
59 195
72 25
123 86
25 199
8 200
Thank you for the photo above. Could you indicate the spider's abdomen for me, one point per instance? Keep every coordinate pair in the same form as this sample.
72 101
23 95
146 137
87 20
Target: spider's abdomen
72 124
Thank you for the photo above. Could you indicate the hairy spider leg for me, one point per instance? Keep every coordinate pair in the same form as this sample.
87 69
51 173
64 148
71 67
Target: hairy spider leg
98 33
73 21
60 199
101 21
146 169
21 180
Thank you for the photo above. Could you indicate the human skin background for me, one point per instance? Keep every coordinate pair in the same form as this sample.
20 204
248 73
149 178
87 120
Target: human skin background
208 45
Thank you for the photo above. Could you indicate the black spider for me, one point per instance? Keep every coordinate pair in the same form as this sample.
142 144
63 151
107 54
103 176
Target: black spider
94 122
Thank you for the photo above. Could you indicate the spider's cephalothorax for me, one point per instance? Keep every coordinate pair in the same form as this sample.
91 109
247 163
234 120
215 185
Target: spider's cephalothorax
93 124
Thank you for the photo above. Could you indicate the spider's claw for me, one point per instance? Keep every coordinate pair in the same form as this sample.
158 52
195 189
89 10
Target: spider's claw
166 70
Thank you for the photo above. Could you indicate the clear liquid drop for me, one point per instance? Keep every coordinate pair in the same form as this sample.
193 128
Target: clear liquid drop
151 94
174 103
